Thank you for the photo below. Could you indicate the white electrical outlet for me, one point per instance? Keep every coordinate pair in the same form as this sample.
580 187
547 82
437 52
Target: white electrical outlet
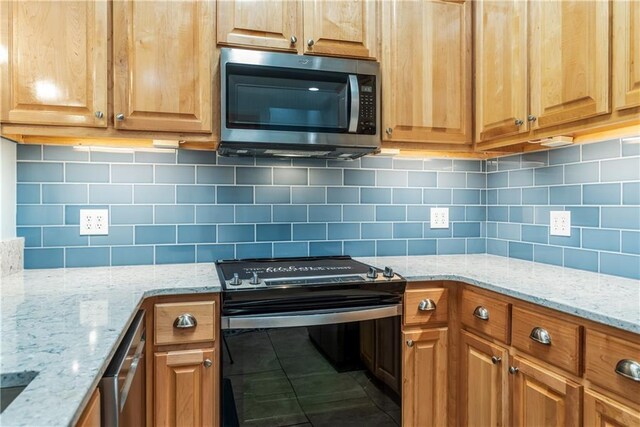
560 222
94 222
439 217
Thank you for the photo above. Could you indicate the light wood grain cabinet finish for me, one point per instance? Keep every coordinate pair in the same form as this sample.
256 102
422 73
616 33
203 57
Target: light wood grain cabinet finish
626 54
200 313
484 391
541 397
601 411
486 315
53 62
426 71
184 388
341 28
272 24
501 68
91 415
424 382
425 306
164 53
568 59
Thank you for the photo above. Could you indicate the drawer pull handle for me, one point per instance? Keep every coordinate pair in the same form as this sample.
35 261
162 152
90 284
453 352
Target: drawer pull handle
185 321
629 369
540 335
481 313
427 305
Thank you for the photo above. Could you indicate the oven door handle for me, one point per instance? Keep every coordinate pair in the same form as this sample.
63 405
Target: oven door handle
310 318
354 115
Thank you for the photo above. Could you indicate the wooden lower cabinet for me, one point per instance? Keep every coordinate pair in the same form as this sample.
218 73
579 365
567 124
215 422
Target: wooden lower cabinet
91 415
185 384
484 391
601 411
541 397
424 378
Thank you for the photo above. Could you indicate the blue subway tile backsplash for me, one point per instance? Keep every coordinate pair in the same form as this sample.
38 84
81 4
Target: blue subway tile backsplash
190 206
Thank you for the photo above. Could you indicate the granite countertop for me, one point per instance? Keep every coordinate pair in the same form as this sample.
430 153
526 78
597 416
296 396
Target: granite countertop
65 324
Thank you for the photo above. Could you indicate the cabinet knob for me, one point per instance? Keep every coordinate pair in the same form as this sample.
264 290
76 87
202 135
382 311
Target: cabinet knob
409 343
513 370
99 114
427 305
519 122
540 335
481 313
119 117
495 360
629 369
294 40
389 131
310 42
531 118
207 363
185 321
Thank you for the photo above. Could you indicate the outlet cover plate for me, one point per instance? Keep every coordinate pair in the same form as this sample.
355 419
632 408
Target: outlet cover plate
439 218
94 222
560 223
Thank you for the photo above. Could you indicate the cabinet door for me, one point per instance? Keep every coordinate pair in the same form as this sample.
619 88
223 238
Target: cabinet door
368 343
485 383
603 412
426 71
424 378
164 59
569 67
626 54
91 415
387 356
53 62
185 388
341 28
501 68
273 24
542 397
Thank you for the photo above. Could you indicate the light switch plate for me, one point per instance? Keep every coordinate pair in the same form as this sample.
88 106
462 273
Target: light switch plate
560 223
439 218
94 222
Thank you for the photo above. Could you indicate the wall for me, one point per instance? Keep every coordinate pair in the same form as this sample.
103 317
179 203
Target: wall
7 189
599 183
195 207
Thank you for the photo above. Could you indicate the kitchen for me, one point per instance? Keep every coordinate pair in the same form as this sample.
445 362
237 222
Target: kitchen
106 119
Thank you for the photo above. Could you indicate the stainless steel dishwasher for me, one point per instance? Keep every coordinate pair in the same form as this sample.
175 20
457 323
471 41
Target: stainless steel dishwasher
123 384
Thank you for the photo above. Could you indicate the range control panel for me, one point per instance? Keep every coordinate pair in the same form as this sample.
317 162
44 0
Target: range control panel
367 117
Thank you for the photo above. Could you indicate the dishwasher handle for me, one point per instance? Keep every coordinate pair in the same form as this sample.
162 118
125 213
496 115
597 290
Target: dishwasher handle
133 369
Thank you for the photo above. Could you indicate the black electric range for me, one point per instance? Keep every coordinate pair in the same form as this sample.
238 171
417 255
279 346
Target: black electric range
263 286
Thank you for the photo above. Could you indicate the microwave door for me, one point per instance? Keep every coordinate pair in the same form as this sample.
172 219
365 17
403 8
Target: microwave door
354 89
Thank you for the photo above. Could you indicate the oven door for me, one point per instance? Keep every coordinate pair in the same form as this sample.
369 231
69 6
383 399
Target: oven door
325 367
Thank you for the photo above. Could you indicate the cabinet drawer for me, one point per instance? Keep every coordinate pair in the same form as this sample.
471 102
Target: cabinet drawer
485 314
563 348
603 352
417 310
198 322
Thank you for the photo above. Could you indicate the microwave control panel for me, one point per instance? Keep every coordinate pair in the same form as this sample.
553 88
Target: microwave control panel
367 117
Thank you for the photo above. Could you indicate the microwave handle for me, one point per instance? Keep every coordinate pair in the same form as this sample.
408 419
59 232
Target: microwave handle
354 89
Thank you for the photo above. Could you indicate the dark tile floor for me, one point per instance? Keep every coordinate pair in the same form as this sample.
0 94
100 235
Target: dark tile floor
280 379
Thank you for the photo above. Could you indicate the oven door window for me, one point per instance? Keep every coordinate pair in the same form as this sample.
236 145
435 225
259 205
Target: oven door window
285 99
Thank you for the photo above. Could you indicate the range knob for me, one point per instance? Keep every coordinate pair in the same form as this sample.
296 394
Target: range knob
255 280
388 272
235 281
372 273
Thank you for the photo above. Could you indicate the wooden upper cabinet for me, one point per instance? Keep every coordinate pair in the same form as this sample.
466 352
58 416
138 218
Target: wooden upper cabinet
341 28
543 398
626 54
272 24
53 62
185 383
164 65
501 68
569 66
426 71
424 378
484 395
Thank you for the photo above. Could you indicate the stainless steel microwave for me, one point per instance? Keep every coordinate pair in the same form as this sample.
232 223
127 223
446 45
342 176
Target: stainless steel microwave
280 104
